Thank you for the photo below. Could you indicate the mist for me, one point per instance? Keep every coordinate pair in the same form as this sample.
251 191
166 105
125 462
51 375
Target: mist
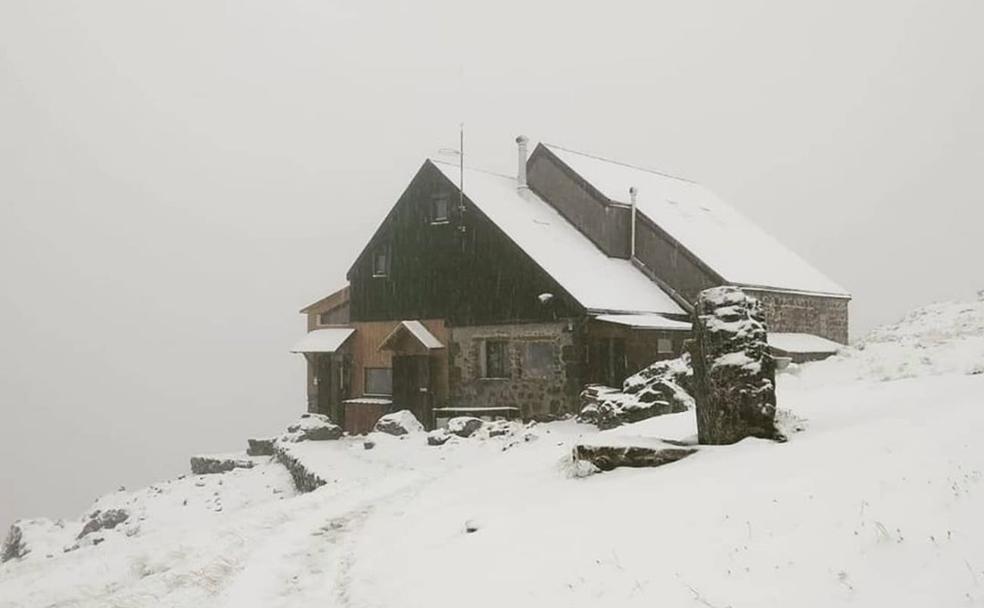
178 179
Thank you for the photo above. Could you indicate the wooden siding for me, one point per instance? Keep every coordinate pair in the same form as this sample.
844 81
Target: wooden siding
364 347
464 269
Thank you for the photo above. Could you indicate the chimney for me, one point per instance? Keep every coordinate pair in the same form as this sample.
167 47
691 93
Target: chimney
632 222
521 174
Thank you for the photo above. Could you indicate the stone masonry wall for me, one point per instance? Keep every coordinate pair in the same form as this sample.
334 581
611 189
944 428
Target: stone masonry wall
817 315
554 393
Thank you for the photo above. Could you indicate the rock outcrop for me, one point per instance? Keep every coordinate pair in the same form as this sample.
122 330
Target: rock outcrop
734 372
210 465
464 426
103 520
313 427
438 437
661 388
398 423
14 546
646 454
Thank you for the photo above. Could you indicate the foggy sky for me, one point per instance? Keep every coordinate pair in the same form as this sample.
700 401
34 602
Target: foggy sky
178 178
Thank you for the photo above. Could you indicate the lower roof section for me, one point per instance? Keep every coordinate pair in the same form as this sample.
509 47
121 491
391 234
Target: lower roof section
325 340
645 322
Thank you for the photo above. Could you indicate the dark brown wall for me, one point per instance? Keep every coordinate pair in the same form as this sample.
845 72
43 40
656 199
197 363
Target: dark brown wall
818 315
465 270
673 264
604 223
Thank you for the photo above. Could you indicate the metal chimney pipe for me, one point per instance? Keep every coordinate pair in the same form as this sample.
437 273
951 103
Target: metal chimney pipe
521 173
632 222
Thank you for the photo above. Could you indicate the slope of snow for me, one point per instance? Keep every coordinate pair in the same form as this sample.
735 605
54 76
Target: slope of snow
711 229
876 503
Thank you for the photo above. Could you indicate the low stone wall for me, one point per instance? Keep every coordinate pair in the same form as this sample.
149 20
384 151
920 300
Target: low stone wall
550 393
304 479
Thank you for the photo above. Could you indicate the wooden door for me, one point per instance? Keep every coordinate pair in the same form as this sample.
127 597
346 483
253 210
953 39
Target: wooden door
411 386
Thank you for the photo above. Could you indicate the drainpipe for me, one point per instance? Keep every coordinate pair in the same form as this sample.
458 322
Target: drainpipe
632 223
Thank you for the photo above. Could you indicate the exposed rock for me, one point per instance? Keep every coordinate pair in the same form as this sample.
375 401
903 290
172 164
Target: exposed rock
500 428
661 388
734 371
464 426
438 437
399 423
368 444
313 427
14 546
208 465
260 447
608 457
104 520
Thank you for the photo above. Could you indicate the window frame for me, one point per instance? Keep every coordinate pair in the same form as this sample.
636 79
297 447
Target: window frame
504 359
660 341
549 368
323 319
365 381
432 213
382 250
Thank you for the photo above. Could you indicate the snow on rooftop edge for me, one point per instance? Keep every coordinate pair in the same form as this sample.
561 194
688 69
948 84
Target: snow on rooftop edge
645 322
325 340
714 231
595 280
792 342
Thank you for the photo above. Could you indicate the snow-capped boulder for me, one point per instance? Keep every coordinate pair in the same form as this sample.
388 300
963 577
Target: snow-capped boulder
210 465
661 388
438 437
500 428
104 520
464 426
260 447
646 454
734 372
313 427
398 423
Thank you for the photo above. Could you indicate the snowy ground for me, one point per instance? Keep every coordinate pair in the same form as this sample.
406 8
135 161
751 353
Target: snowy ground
876 502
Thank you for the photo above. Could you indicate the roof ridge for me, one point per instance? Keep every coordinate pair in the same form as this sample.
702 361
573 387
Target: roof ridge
472 168
618 162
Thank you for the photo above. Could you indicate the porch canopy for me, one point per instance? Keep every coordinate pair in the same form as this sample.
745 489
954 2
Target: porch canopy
325 340
414 330
645 321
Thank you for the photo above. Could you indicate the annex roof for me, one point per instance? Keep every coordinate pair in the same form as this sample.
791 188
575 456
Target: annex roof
715 232
325 340
599 283
646 322
802 343
416 329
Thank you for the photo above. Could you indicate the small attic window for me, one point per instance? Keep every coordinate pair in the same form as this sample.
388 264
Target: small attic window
439 210
324 318
380 261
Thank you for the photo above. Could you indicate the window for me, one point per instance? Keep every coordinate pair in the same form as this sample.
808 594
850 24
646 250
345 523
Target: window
496 363
539 359
324 318
664 346
379 381
439 210
380 261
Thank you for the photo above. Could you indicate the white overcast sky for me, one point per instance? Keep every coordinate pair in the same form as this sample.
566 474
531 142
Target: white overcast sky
178 178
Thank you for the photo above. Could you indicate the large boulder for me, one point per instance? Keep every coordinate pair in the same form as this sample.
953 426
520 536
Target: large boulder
661 388
313 427
14 546
643 454
438 437
464 426
734 372
398 423
260 447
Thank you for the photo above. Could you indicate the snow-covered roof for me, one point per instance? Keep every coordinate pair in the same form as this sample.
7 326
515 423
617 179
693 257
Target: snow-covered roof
802 343
326 340
418 331
645 322
714 231
599 283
